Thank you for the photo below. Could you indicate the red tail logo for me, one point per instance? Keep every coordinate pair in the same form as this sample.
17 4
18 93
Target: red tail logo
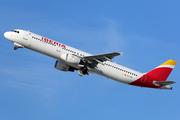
160 73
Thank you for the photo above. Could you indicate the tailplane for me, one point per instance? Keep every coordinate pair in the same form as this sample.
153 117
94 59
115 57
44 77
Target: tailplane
164 83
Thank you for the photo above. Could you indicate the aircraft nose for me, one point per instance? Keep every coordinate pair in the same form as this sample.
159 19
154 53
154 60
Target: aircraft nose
6 35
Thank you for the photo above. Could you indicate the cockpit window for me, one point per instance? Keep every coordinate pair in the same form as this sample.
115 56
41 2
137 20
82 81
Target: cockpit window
15 31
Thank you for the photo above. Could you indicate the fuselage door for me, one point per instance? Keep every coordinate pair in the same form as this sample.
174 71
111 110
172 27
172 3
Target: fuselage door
143 79
26 35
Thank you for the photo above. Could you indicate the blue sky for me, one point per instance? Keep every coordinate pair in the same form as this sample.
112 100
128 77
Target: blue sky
146 31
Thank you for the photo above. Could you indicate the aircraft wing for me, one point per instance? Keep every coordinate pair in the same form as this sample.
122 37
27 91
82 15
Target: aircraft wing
101 58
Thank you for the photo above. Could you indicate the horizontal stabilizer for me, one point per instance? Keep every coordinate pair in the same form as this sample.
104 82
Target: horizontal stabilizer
164 83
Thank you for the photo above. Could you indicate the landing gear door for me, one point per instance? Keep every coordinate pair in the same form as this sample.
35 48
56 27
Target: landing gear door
26 35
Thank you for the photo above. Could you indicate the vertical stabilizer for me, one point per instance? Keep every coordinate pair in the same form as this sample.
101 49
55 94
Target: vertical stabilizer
162 72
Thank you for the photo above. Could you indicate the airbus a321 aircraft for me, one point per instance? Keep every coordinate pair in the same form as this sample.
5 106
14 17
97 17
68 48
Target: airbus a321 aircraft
71 59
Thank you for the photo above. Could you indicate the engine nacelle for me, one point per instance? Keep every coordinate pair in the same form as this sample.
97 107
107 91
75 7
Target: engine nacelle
63 66
71 59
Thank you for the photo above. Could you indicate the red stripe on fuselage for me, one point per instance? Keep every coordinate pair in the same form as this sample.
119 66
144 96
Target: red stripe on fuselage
157 74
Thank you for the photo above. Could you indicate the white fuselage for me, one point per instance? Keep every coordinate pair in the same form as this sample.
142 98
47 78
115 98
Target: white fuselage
55 49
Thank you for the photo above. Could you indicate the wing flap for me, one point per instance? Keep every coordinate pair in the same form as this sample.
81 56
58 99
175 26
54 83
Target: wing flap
101 58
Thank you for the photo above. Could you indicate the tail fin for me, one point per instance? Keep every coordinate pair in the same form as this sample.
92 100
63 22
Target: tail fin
162 72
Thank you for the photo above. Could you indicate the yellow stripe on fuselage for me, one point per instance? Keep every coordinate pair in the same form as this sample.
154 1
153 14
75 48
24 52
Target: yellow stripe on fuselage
169 62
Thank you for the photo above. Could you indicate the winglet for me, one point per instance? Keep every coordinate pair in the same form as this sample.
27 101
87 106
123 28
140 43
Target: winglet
121 53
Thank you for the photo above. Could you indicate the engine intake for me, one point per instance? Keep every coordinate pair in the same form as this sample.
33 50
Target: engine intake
63 66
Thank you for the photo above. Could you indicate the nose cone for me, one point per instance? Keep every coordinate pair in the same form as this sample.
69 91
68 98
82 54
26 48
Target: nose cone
7 35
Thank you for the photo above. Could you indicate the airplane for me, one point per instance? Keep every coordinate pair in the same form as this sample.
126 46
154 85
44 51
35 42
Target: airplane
71 59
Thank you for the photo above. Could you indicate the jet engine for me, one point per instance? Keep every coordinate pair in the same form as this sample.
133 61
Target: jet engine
83 71
71 59
63 66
